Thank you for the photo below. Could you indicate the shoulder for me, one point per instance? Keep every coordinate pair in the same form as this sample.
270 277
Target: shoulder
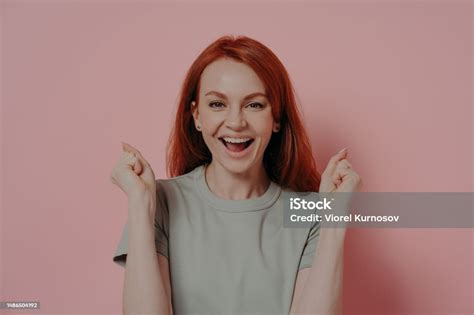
179 183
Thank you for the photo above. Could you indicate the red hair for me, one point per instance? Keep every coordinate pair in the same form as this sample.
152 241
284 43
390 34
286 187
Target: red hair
288 158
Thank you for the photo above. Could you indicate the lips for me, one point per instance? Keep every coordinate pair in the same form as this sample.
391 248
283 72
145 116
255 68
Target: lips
236 144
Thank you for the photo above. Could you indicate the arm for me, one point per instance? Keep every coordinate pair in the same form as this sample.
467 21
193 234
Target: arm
147 285
318 289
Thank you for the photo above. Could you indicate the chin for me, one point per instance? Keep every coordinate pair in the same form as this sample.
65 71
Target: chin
236 166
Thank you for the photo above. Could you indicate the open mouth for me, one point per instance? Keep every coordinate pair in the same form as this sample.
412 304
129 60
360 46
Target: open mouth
236 144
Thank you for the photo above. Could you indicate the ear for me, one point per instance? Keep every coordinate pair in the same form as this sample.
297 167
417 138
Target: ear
276 127
195 111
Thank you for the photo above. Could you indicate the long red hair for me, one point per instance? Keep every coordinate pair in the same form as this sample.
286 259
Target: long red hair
288 158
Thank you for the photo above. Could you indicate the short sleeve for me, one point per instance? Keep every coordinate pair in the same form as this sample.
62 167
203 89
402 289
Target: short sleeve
310 247
161 229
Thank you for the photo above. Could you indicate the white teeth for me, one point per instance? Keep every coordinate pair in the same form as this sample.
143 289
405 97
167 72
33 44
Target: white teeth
236 140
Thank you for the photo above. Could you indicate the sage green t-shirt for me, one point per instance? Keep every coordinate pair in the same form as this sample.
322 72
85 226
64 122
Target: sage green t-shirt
227 256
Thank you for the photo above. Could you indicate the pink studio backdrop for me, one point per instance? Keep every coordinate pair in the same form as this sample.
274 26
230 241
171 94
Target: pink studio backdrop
389 80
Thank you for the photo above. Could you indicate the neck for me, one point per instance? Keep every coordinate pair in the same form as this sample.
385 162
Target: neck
225 184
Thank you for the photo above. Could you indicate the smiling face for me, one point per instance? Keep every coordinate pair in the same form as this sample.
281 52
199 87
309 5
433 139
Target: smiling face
234 115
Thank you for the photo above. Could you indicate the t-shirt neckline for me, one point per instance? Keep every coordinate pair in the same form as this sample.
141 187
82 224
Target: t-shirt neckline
244 205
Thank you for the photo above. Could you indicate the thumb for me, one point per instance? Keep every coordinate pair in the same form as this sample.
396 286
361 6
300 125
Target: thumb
342 154
137 167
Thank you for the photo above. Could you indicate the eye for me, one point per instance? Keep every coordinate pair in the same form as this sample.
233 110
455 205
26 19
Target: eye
256 105
216 105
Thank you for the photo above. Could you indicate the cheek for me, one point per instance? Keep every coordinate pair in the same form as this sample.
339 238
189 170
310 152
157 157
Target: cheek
210 123
263 125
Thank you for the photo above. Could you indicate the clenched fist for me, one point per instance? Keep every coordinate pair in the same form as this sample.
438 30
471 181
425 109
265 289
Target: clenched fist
339 175
134 176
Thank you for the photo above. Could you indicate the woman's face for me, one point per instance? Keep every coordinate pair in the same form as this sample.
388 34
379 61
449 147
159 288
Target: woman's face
234 115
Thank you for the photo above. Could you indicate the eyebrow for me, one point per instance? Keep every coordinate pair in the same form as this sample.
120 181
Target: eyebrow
222 95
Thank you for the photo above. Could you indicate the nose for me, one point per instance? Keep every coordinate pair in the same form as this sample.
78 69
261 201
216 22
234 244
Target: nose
236 119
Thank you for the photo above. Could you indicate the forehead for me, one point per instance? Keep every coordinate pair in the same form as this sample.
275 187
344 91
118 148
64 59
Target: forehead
231 78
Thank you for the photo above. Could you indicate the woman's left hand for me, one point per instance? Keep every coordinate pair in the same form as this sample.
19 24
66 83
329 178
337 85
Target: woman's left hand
339 175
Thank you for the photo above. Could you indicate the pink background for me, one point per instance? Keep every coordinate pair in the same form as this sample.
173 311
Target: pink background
389 80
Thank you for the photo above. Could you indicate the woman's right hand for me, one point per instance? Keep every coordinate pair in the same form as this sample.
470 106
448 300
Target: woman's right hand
134 175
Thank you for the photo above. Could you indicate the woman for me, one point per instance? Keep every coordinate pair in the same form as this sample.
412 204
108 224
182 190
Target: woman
238 149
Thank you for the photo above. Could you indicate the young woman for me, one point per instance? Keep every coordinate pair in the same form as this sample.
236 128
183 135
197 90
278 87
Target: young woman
210 239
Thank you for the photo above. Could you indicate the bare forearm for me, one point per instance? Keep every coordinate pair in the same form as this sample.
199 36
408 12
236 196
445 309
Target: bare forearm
144 291
322 292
